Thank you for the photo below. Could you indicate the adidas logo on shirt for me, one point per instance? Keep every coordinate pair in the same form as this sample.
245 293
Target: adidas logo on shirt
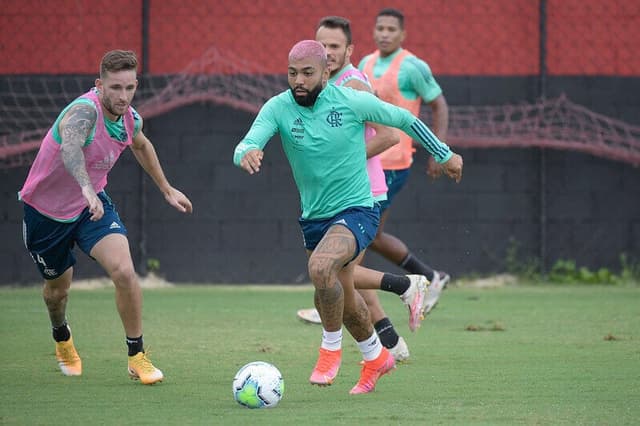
106 163
114 225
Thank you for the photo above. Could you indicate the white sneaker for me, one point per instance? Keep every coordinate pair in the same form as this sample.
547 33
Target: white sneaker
440 281
309 315
414 298
400 351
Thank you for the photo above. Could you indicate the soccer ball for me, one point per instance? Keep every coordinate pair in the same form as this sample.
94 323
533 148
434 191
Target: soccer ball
258 385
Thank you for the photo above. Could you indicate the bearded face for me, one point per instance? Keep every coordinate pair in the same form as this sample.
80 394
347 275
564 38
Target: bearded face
304 97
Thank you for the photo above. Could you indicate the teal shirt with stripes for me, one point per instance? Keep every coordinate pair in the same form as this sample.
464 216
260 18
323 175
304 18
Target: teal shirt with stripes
325 144
414 77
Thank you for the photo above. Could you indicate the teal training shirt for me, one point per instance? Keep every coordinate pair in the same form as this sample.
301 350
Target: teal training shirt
414 78
325 144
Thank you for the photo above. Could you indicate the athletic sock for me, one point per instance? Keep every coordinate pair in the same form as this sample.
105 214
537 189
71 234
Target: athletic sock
370 347
135 345
331 340
397 284
61 333
386 333
413 265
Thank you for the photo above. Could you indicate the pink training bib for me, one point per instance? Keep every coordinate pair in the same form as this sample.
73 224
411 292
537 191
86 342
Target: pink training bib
50 188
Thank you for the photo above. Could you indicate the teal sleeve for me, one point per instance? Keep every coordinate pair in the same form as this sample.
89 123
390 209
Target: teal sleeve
137 122
261 131
56 131
421 132
373 109
415 76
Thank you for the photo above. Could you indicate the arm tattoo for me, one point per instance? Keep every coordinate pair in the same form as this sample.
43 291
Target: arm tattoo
74 130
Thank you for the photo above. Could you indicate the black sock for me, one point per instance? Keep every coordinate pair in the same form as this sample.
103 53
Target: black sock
61 333
135 345
413 265
397 284
386 333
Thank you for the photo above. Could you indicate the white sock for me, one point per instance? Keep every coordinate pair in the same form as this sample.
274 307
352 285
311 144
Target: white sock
371 347
331 340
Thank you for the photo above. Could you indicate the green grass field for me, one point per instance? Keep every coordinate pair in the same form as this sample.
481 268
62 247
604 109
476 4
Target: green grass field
535 355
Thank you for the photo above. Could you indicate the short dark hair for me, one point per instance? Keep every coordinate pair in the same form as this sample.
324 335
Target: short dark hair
118 60
389 11
337 22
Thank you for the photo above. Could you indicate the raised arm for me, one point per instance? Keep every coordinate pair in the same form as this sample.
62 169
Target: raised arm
391 115
74 129
449 161
145 153
249 153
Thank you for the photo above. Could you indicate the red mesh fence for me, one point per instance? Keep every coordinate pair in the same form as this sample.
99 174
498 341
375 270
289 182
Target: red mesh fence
233 52
215 77
552 123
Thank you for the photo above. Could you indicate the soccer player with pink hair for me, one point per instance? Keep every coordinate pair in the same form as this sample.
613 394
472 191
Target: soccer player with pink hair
322 129
334 32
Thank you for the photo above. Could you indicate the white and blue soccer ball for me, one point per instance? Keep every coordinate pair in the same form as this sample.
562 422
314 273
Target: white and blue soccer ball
258 384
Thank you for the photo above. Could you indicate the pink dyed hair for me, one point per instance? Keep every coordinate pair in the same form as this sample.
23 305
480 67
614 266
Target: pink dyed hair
308 49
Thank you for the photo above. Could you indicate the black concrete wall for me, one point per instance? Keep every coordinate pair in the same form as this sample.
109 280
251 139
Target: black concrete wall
244 228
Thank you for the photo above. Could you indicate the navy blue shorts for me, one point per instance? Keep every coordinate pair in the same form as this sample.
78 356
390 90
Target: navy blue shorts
361 221
396 179
51 243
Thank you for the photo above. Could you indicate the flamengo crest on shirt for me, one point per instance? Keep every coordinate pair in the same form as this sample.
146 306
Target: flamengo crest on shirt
334 118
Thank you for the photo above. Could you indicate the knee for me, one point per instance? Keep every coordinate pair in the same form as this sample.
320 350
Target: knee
321 275
54 293
58 288
124 276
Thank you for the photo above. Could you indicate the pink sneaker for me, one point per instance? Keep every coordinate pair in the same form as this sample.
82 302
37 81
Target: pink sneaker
372 371
326 368
413 298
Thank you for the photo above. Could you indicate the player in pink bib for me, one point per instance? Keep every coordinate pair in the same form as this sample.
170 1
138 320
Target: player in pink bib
55 192
65 204
342 77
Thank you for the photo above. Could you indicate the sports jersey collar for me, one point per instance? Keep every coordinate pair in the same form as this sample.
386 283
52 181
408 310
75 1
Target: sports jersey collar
324 91
344 69
390 57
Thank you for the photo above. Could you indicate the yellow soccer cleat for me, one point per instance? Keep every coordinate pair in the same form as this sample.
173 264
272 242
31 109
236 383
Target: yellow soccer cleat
68 358
141 368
